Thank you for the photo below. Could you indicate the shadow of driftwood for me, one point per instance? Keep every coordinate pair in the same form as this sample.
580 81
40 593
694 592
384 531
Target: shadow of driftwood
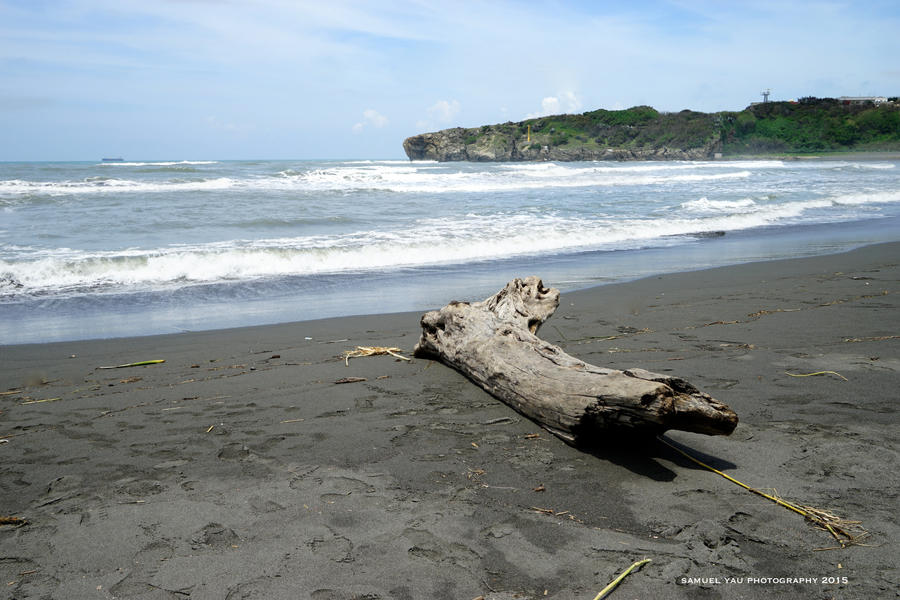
639 455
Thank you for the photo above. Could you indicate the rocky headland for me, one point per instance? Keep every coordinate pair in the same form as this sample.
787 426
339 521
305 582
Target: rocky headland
450 145
643 133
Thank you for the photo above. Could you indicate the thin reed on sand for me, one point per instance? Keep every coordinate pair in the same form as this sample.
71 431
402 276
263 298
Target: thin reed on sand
846 532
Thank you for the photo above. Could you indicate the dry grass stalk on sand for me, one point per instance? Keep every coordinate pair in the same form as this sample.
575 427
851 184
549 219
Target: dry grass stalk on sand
136 364
816 373
41 400
846 532
605 591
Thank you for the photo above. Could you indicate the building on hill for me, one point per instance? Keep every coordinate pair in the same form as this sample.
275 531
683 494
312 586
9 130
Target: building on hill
862 99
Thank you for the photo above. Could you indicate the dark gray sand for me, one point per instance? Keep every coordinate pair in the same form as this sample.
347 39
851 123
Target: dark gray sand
239 469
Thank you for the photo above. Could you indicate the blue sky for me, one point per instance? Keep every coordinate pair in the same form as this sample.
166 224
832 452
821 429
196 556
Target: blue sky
230 79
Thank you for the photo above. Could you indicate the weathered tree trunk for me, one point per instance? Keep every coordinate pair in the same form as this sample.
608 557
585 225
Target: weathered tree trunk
493 342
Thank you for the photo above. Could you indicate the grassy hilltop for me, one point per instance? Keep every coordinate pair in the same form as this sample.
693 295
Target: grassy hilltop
811 125
643 133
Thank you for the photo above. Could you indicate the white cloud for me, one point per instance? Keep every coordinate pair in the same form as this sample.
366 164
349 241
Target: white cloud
571 102
440 114
372 118
565 102
443 111
550 106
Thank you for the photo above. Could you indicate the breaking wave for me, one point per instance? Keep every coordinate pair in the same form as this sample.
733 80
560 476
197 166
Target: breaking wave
431 241
401 177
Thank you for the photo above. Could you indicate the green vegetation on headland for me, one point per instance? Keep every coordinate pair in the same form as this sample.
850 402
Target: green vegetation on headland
812 125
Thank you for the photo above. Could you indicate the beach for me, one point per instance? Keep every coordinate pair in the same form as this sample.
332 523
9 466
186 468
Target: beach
241 467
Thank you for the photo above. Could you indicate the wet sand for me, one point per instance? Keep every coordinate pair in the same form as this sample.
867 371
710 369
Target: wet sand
240 469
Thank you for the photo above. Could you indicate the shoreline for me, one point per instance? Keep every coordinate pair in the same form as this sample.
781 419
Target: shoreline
240 467
342 295
320 324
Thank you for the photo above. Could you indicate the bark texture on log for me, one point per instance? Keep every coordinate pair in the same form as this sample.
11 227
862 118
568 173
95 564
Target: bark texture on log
493 342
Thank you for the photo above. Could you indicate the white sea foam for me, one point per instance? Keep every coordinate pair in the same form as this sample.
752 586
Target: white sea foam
415 180
640 166
431 241
705 205
748 205
814 164
402 177
868 198
425 177
105 185
557 207
373 161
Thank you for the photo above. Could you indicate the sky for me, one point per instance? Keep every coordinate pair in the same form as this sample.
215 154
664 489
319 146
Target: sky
350 79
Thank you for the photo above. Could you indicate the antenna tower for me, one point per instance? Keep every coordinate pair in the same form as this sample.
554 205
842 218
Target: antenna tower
765 94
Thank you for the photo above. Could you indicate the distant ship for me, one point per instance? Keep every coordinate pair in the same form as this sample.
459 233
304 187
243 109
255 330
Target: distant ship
113 159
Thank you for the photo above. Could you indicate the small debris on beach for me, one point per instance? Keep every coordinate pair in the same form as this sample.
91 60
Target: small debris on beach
615 582
546 511
816 373
372 351
41 400
351 380
872 339
474 473
762 313
136 364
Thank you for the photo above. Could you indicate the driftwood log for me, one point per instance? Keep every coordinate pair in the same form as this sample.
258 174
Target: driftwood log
493 342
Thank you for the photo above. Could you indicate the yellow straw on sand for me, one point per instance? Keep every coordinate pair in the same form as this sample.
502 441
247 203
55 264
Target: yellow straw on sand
605 591
136 364
817 516
816 373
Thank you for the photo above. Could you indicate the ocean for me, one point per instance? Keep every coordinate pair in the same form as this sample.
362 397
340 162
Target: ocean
111 249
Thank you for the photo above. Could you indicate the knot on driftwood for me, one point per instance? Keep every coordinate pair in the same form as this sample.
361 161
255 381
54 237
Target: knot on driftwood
523 302
493 342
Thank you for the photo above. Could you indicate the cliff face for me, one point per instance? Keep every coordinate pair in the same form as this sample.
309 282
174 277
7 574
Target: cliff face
635 134
450 145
